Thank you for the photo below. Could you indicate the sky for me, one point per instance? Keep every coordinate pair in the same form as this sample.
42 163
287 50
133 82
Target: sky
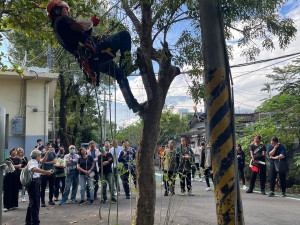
247 87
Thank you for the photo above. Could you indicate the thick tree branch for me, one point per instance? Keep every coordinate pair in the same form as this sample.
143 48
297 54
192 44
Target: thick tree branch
167 72
134 19
145 53
155 55
149 81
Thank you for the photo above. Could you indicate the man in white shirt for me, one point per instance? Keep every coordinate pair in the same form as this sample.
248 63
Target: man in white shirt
34 189
94 152
115 151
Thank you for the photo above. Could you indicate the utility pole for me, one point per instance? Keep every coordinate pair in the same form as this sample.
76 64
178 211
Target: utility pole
53 120
220 115
49 59
2 146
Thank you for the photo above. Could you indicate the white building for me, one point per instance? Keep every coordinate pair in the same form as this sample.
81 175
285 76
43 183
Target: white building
27 101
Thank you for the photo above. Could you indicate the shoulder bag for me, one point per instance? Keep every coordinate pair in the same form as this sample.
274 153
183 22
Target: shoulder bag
281 166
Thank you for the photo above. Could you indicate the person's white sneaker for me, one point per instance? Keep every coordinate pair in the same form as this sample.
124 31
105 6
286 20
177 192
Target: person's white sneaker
182 193
191 193
5 210
23 199
200 180
244 187
208 189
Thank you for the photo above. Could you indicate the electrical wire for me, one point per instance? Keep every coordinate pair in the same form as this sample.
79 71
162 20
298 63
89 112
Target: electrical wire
262 61
265 67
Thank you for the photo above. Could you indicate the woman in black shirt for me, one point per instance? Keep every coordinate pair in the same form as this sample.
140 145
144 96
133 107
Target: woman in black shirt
86 165
11 190
241 164
258 156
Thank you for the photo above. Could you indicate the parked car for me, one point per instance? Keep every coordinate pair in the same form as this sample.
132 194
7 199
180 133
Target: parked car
87 144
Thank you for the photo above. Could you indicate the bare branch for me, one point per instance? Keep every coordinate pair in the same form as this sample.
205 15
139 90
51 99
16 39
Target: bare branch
159 13
168 25
134 19
228 25
162 9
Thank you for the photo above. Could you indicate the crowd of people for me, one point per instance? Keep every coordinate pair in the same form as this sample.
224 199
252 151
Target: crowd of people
187 159
51 167
184 161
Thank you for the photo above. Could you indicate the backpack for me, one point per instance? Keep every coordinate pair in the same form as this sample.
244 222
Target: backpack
26 177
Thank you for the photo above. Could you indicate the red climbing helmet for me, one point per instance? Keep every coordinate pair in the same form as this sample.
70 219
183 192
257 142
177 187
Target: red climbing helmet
56 3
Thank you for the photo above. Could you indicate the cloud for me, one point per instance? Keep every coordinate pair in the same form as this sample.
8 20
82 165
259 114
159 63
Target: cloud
247 88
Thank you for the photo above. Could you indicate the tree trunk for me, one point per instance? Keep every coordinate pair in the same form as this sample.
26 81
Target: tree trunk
62 113
146 184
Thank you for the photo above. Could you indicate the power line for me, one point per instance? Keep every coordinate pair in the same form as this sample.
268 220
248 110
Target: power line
38 56
264 67
264 60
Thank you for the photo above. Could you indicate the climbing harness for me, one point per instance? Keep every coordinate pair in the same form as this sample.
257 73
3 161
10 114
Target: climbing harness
90 61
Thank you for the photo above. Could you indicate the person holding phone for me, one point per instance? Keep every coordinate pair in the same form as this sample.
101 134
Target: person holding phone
48 165
276 151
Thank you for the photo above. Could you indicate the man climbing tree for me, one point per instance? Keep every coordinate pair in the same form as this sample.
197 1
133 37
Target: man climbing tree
94 54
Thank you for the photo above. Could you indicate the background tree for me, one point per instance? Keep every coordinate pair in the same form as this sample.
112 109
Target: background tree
131 132
171 124
283 120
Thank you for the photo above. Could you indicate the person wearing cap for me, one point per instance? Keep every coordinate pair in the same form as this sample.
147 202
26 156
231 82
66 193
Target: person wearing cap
34 191
72 35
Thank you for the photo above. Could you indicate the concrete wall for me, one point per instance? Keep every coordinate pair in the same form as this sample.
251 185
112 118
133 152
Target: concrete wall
28 98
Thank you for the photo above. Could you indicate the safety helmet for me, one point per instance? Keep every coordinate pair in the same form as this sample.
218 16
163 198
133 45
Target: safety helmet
58 3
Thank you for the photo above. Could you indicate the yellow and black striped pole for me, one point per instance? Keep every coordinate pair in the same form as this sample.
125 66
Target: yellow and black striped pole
220 115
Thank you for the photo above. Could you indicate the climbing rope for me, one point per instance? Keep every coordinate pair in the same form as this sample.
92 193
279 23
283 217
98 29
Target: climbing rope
99 116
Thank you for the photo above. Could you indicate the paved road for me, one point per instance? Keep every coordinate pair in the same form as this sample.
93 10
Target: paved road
184 210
